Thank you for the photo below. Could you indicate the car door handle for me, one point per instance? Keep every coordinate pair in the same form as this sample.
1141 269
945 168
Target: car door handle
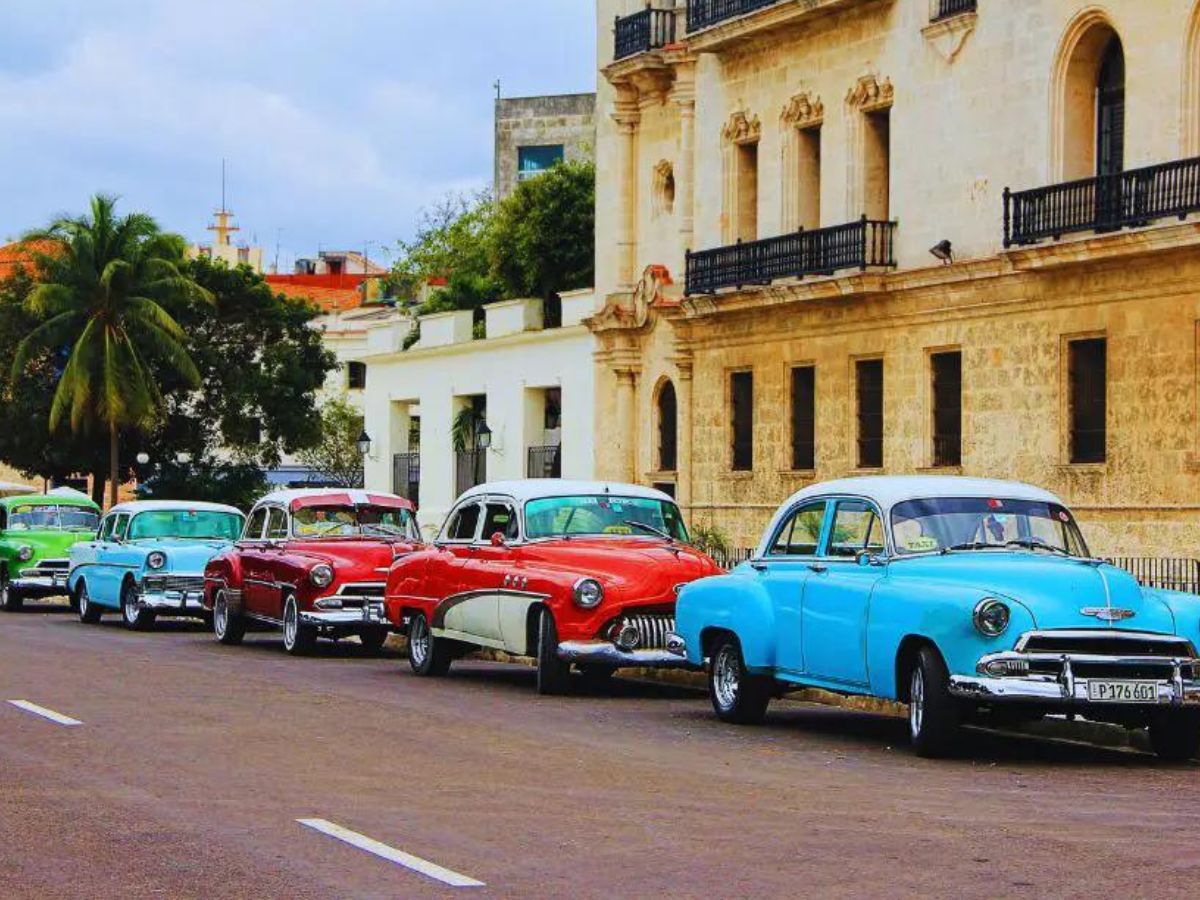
819 568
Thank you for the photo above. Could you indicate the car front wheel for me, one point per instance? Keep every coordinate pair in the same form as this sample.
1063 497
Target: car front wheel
427 655
10 598
737 696
89 612
1175 736
298 639
136 618
934 716
228 626
553 674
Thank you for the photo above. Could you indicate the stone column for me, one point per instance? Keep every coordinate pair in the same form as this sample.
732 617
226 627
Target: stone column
626 430
684 96
683 464
627 115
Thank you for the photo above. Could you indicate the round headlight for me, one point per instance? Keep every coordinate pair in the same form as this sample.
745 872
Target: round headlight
321 576
990 617
25 554
588 593
156 560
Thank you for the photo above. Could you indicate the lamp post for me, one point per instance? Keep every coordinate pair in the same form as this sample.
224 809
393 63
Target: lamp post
483 435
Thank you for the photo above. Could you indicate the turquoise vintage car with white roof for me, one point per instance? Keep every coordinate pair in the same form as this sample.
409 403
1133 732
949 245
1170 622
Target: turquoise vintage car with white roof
148 559
964 598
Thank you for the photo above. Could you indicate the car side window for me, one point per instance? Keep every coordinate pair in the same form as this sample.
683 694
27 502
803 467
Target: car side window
500 517
120 527
277 525
856 527
800 534
463 523
255 524
106 528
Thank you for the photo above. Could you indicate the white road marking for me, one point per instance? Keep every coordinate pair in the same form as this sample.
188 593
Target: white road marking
44 713
362 842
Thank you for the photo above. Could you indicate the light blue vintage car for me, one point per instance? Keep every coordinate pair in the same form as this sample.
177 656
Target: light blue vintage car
967 599
148 559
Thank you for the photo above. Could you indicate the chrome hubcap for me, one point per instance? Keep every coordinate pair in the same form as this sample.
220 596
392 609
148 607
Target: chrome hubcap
131 610
83 600
290 625
418 642
916 702
726 677
220 616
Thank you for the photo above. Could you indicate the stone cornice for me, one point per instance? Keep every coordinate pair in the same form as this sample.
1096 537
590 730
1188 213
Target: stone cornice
787 15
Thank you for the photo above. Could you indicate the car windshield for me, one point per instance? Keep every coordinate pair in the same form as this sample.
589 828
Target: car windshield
352 521
981 523
603 514
199 525
29 517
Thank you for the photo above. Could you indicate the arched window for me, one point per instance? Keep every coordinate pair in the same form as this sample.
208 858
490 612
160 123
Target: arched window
1089 100
667 428
1110 111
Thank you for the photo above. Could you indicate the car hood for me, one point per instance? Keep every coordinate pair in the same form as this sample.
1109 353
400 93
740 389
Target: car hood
638 567
184 555
1054 589
361 559
47 544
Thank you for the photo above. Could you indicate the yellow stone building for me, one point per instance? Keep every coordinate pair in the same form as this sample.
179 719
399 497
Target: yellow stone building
863 292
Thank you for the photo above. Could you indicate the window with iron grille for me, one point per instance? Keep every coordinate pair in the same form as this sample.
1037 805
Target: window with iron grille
741 394
1087 372
356 375
947 408
869 388
804 417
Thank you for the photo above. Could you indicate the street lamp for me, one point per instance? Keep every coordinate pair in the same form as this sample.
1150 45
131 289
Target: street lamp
364 443
483 435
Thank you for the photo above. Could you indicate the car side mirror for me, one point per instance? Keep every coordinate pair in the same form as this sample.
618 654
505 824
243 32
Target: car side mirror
866 559
498 539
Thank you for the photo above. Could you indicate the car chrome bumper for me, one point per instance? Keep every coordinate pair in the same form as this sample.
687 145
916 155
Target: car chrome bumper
179 602
372 614
43 583
605 653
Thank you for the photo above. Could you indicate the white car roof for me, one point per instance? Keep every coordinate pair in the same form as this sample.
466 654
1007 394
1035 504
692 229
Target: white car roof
139 506
537 488
889 490
357 495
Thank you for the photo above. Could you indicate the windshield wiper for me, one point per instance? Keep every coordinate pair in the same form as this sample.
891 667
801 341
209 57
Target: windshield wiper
567 524
1034 543
973 545
650 528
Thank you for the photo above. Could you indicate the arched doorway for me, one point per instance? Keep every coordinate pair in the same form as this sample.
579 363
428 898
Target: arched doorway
1089 100
668 419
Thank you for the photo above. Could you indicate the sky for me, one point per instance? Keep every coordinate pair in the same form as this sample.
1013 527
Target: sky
339 119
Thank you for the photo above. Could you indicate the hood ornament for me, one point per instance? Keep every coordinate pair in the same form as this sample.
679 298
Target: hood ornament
1108 613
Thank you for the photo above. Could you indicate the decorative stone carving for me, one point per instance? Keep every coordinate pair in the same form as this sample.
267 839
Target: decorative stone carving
870 94
803 111
664 188
742 128
947 36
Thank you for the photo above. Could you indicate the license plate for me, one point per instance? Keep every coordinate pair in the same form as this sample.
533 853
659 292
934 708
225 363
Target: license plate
1123 691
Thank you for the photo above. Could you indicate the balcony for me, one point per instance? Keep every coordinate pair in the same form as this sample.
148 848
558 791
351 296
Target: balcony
714 25
706 13
650 29
948 9
1104 203
822 251
544 462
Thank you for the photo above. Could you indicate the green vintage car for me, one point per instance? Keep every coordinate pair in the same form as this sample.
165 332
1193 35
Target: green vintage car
36 531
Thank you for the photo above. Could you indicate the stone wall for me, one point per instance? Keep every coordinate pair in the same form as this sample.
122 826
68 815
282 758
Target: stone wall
567 119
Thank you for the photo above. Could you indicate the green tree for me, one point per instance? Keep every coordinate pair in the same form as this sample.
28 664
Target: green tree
105 288
336 457
542 240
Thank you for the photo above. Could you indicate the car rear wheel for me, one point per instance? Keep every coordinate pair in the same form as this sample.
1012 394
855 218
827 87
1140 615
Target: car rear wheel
737 695
427 655
298 639
1175 736
553 674
89 612
10 598
374 639
228 626
934 716
136 618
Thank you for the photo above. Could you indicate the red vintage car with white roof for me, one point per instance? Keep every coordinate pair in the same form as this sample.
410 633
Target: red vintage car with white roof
312 563
582 573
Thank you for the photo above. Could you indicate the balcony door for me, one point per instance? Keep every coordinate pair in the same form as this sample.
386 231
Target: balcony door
1110 135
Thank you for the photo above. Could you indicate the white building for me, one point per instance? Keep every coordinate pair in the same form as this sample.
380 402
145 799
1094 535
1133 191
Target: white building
532 385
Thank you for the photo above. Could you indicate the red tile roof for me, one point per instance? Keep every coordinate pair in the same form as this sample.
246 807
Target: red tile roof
332 293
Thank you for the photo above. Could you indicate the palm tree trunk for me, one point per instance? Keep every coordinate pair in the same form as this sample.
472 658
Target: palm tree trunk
113 479
98 487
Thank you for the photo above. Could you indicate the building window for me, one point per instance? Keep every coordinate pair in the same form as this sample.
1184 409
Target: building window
877 164
532 161
1087 374
808 177
947 408
804 418
1110 111
869 391
747 191
356 376
1089 101
667 428
741 395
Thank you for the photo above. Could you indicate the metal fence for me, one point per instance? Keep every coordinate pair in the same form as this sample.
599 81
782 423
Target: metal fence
470 469
705 13
643 31
406 476
544 462
944 9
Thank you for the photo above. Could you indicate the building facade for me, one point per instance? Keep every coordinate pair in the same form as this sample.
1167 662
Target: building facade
533 133
890 236
521 401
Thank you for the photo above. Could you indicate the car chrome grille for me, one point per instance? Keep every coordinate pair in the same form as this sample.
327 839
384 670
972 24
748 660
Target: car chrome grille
1105 643
173 584
652 630
54 565
353 595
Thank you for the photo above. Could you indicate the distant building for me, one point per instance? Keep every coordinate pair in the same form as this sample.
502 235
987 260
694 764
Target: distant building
223 247
534 133
334 280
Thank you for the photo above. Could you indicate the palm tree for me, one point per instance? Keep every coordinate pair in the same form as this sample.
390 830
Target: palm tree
104 287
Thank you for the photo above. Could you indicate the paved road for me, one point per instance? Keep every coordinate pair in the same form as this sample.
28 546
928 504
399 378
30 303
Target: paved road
194 763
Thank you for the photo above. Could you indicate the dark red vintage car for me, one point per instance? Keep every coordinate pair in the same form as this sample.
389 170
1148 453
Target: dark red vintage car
312 563
570 573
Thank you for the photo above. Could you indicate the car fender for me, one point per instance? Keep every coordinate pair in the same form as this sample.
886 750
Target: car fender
222 571
1184 607
736 602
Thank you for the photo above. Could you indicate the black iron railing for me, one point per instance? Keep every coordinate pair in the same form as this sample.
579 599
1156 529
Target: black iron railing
644 31
1104 203
857 245
544 462
1172 574
944 9
470 469
406 476
706 13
